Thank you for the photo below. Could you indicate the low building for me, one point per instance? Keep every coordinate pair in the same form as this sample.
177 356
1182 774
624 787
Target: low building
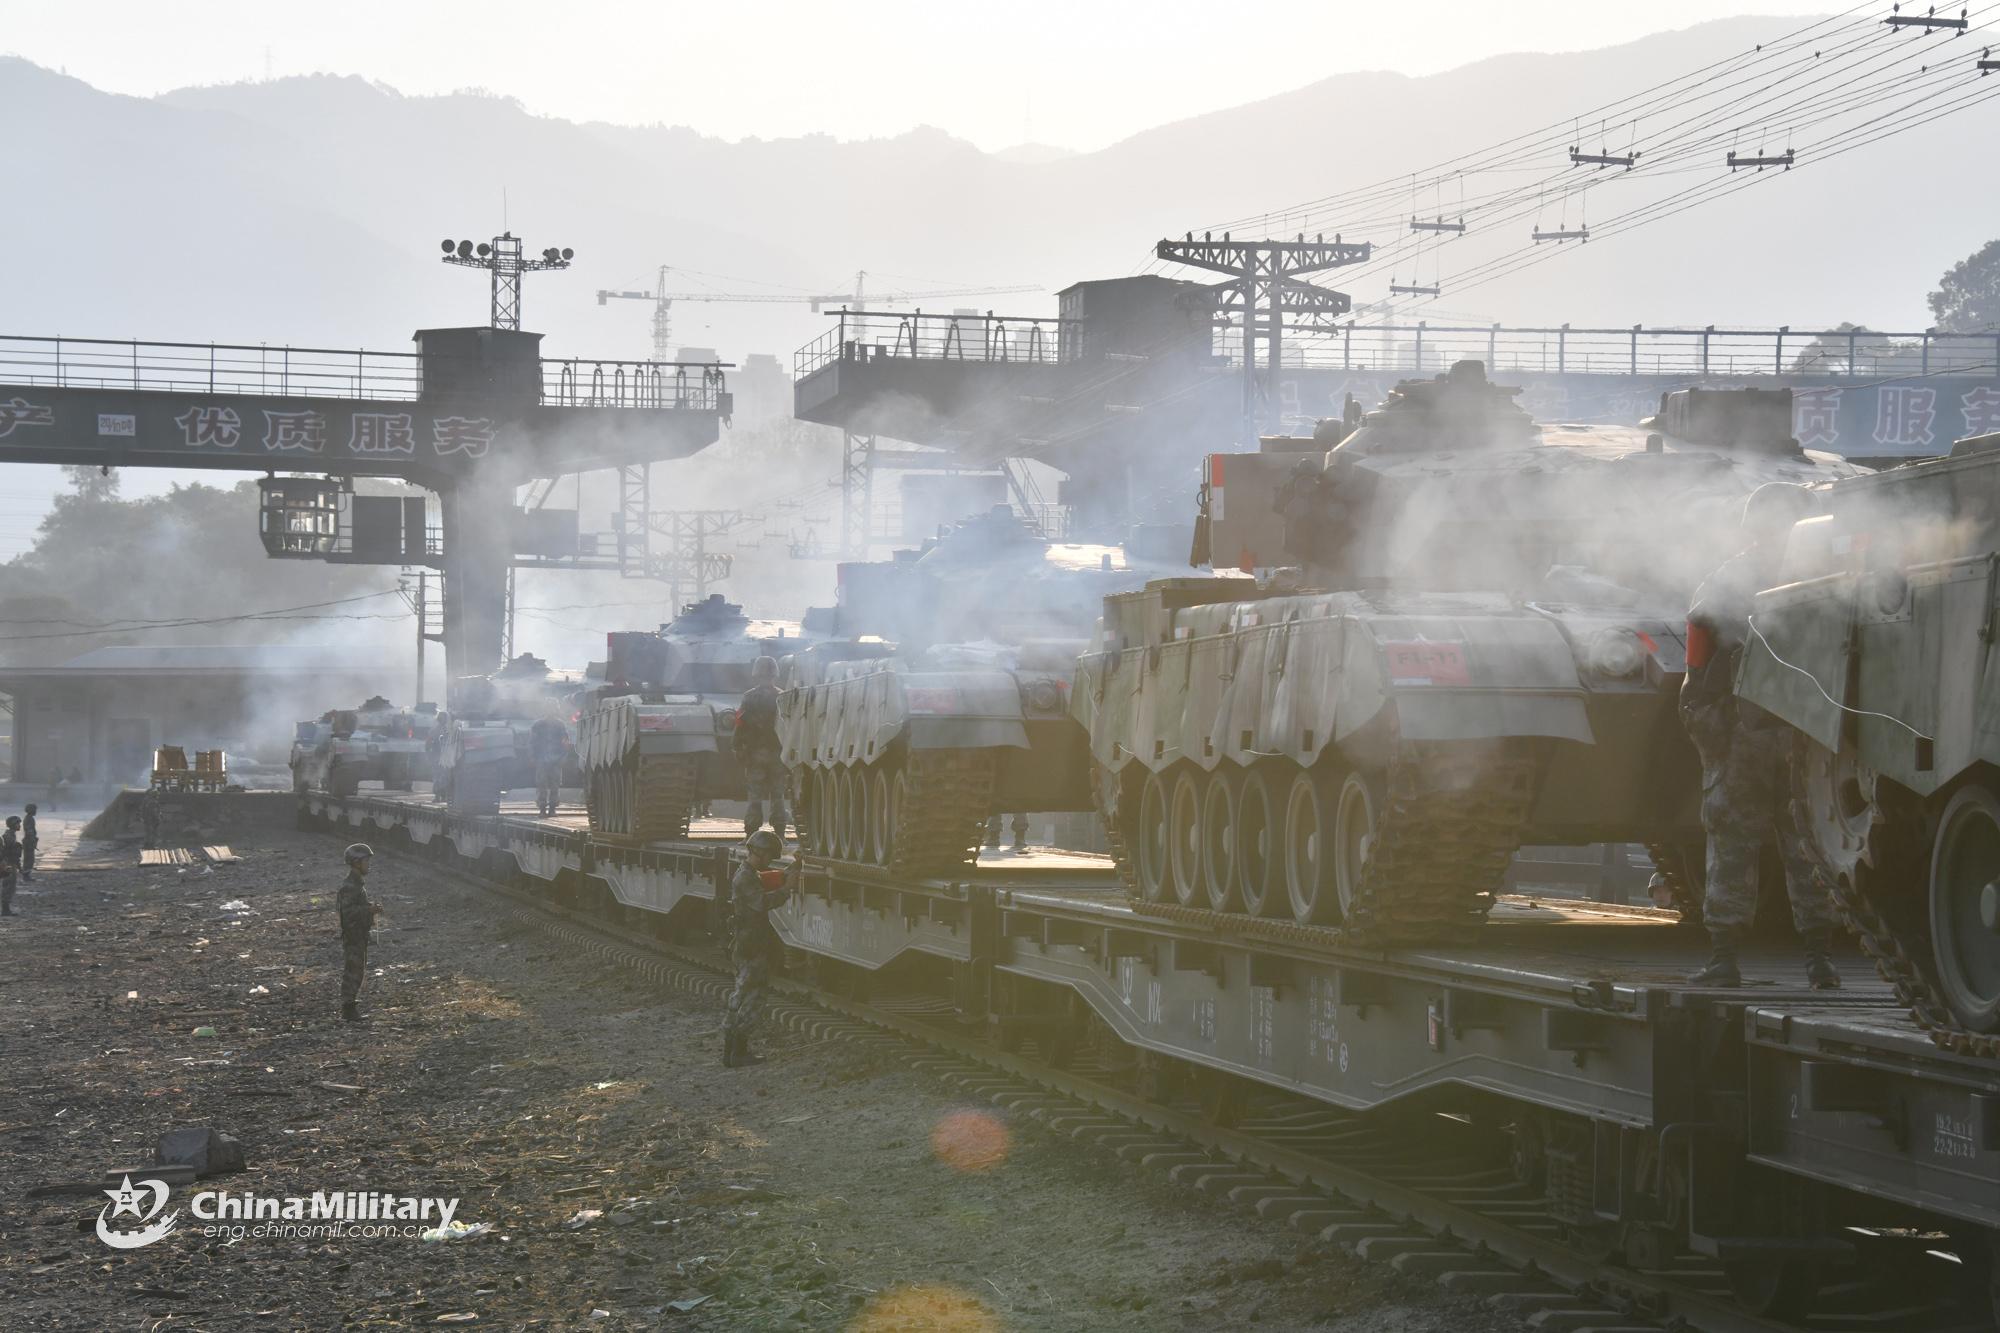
99 716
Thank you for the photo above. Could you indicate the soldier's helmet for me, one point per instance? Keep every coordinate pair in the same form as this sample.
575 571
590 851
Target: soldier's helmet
32 807
358 851
13 821
765 841
764 671
1772 508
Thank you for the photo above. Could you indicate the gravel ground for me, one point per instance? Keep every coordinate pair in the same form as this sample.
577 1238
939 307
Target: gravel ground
628 1180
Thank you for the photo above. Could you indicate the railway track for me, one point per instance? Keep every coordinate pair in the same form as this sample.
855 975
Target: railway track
1432 1196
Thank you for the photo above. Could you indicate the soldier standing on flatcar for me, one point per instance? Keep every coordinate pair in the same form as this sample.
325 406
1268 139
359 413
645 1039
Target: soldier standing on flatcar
1745 755
758 752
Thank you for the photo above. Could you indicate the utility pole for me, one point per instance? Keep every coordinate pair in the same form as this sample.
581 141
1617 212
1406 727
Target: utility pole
1264 282
688 559
857 494
501 257
419 602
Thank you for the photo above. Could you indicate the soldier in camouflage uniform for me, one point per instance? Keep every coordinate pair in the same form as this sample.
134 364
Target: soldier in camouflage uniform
10 863
1746 754
757 749
752 895
357 919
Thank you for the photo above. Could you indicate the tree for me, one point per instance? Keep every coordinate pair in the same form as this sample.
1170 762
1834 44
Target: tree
1968 296
91 484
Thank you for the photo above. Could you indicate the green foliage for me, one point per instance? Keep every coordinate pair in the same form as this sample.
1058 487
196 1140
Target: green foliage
192 553
1968 296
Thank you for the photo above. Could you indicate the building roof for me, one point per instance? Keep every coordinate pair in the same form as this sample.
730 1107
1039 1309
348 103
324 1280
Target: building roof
190 659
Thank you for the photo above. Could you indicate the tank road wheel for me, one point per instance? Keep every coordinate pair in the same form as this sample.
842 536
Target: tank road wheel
822 810
1309 845
1184 858
1219 870
1260 861
881 818
843 792
856 832
892 825
1155 841
1965 908
1357 819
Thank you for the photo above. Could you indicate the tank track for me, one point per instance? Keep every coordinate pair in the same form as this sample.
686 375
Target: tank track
1892 956
663 795
1452 822
943 818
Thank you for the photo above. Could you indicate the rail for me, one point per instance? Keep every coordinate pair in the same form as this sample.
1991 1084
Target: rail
1710 352
874 335
322 372
171 367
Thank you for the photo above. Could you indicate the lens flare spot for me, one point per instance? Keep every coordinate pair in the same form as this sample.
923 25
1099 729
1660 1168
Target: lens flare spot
970 1141
924 1307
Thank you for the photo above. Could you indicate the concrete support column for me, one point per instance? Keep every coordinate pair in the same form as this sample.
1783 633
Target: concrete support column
478 548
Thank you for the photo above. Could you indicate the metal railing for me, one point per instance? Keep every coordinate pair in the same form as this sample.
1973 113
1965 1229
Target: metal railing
1418 349
167 367
320 372
871 335
685 385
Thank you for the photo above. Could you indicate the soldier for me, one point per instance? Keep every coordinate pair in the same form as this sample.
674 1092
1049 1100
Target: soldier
149 814
548 741
1745 753
753 891
757 750
357 919
29 839
1020 824
10 864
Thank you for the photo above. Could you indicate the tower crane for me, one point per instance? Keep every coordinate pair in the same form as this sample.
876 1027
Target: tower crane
663 302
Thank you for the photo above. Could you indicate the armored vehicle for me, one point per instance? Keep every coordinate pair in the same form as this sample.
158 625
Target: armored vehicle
480 748
655 737
377 742
902 757
1880 649
1467 634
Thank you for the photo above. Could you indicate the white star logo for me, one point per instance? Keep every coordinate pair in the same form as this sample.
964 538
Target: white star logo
126 1199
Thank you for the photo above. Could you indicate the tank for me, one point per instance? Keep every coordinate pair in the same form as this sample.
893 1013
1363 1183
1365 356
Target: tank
377 742
654 738
1879 649
1463 633
902 754
479 748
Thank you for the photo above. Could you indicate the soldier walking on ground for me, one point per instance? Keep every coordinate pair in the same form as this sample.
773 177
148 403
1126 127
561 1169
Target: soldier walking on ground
753 891
29 839
1746 754
757 750
548 740
357 919
10 863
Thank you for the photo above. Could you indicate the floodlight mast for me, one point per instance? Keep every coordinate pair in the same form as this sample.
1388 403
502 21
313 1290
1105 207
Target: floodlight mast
501 257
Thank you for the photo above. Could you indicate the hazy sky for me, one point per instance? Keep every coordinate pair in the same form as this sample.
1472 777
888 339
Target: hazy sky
1080 74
